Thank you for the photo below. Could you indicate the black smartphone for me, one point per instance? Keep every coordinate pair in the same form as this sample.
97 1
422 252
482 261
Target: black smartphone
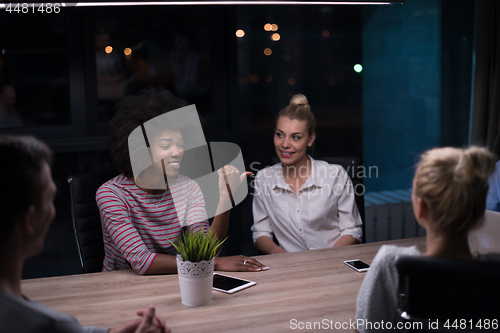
357 265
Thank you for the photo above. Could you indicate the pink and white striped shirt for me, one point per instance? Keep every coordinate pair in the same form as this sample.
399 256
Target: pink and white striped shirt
137 225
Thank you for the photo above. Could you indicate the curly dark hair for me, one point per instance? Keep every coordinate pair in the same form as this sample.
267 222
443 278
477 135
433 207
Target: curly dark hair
133 111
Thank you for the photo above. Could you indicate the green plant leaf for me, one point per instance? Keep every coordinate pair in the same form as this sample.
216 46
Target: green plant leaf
197 246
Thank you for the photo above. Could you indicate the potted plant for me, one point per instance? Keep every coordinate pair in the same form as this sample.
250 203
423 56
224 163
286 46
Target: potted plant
195 265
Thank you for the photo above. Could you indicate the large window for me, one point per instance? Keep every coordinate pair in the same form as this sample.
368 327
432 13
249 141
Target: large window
417 78
33 70
62 74
311 50
136 47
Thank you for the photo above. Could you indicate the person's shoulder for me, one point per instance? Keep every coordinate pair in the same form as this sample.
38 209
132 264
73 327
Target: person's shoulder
321 163
114 185
322 171
384 262
387 253
398 250
19 315
118 180
332 169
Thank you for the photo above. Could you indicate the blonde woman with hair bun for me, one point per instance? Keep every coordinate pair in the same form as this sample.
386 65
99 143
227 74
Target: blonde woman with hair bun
449 198
305 203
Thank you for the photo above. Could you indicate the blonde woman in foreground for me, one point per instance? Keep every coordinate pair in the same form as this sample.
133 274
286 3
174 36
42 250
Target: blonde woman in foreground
307 204
449 197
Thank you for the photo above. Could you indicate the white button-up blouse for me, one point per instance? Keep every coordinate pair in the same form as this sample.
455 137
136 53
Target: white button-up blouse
322 211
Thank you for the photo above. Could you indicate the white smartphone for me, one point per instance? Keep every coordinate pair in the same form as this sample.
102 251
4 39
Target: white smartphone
357 265
229 284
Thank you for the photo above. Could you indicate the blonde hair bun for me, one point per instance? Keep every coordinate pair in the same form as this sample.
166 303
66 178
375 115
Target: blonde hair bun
475 162
300 109
298 99
454 182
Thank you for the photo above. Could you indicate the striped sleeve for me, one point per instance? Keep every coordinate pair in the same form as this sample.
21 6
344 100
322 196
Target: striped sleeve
196 213
116 219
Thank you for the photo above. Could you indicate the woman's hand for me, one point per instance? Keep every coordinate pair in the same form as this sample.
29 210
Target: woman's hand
230 179
238 264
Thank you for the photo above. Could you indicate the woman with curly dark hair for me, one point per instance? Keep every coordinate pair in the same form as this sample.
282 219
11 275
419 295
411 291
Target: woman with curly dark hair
144 208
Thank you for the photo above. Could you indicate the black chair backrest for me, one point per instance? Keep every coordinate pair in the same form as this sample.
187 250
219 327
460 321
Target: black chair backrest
448 289
351 164
86 218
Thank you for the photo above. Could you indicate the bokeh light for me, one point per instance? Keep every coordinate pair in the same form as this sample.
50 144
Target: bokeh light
325 33
108 49
127 51
240 33
275 37
274 27
358 68
291 81
269 78
268 51
268 26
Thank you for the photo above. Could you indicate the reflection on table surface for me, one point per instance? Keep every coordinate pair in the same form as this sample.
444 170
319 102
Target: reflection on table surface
308 286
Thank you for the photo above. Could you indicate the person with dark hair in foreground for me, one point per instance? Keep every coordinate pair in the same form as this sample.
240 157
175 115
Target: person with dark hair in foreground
27 212
449 197
139 222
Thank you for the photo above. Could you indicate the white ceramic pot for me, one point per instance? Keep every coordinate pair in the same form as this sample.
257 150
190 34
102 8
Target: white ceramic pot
196 281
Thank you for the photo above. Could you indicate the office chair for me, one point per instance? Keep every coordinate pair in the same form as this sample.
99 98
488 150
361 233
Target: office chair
445 290
86 218
350 164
